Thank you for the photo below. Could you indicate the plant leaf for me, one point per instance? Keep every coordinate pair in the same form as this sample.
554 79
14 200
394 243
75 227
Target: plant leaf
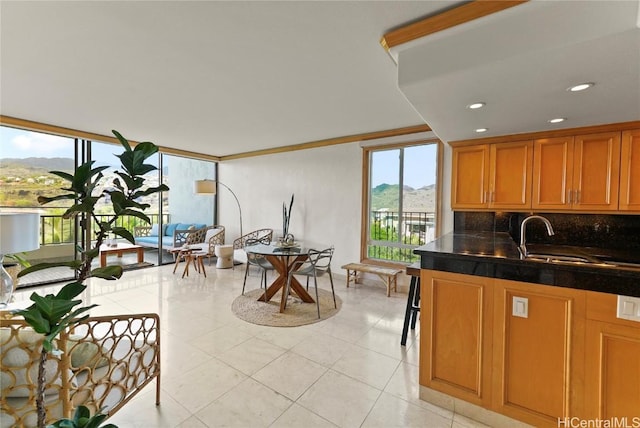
62 174
150 191
35 319
73 264
45 200
71 290
123 141
121 231
52 308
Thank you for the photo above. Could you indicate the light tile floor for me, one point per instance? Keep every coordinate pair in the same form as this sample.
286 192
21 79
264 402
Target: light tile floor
217 370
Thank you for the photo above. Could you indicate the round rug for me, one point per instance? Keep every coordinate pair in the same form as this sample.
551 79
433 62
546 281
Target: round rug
248 308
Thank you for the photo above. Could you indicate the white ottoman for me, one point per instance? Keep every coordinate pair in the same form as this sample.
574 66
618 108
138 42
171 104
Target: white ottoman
225 256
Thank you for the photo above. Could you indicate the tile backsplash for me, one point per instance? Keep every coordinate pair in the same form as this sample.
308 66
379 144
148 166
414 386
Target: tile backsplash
594 230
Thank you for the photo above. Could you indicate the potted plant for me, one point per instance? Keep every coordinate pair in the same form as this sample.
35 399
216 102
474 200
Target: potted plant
51 314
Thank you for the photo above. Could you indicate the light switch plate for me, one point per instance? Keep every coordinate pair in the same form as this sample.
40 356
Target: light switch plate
520 307
629 308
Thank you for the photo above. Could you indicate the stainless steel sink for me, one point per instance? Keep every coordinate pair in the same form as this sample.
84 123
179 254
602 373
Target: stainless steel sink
551 258
572 255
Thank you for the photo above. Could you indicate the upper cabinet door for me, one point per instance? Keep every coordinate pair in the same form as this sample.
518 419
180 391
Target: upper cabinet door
552 173
470 178
596 172
630 171
510 175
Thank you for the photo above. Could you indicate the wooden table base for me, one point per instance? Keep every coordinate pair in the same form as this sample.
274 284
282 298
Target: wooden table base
283 265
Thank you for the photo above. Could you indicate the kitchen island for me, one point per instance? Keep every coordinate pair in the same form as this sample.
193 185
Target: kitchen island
531 340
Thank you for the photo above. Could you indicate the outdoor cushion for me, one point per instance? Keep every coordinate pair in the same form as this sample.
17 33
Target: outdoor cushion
85 353
184 226
154 230
167 241
19 371
199 226
171 227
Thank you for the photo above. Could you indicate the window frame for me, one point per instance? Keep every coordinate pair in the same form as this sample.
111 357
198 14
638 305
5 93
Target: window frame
366 194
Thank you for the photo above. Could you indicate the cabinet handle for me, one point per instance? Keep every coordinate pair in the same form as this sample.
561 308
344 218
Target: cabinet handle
570 196
485 197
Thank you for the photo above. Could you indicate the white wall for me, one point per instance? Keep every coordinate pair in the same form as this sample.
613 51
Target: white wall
327 184
184 205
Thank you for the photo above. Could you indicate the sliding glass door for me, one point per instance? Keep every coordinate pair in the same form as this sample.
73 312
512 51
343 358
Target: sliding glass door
26 159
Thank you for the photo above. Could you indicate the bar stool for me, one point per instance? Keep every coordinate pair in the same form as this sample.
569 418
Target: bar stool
413 301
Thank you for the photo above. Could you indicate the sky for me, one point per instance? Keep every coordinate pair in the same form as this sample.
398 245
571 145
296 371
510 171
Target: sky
18 143
419 166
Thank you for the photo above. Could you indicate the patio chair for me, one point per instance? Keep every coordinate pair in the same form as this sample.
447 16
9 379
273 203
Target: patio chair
214 236
259 234
259 261
318 264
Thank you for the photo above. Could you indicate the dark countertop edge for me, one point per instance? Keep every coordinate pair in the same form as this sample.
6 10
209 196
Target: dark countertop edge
440 255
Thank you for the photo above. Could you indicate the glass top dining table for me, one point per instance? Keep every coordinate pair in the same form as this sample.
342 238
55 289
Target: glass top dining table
283 260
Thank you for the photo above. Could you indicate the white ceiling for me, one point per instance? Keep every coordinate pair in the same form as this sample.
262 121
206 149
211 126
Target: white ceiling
223 78
520 62
213 77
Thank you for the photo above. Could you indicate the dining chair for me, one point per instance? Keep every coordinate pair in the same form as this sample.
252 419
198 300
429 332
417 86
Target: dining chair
259 261
317 264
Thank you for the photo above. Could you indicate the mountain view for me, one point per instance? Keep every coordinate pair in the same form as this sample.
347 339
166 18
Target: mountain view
415 200
23 180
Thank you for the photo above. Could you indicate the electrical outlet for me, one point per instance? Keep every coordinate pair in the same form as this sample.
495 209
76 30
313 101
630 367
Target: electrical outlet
520 307
629 308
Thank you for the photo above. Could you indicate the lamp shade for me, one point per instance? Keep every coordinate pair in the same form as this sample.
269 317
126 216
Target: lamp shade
205 187
19 232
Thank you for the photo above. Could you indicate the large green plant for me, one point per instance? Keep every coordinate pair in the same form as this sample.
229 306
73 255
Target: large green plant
51 314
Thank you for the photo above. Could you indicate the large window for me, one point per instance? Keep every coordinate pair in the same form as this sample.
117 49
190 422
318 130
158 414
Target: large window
26 157
401 200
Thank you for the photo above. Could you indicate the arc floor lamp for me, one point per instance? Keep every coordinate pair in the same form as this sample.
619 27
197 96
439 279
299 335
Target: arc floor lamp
210 187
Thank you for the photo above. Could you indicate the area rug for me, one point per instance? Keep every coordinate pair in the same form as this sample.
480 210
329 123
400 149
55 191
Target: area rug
248 308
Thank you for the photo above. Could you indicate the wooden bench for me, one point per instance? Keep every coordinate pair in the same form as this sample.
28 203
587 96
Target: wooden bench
388 275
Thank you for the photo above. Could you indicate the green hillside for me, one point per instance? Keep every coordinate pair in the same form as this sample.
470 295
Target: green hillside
385 196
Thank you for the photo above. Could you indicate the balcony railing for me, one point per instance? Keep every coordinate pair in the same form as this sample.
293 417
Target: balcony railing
56 230
393 236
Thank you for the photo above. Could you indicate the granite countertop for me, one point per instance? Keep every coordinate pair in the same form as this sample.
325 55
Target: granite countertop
496 255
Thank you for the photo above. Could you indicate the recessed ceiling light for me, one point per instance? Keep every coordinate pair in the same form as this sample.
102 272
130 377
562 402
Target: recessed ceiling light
557 120
482 130
580 87
476 105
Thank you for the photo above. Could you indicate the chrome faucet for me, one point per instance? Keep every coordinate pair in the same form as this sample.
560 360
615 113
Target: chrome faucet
523 231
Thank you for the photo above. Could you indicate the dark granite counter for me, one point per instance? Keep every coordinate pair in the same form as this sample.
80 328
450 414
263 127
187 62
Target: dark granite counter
496 255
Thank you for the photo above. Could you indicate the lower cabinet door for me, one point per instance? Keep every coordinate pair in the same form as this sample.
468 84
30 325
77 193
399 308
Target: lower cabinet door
455 340
613 372
536 371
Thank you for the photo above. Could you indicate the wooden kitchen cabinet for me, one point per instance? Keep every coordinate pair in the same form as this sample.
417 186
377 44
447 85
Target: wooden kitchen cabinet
470 179
568 357
455 343
577 173
495 176
630 171
510 175
612 364
537 364
552 173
